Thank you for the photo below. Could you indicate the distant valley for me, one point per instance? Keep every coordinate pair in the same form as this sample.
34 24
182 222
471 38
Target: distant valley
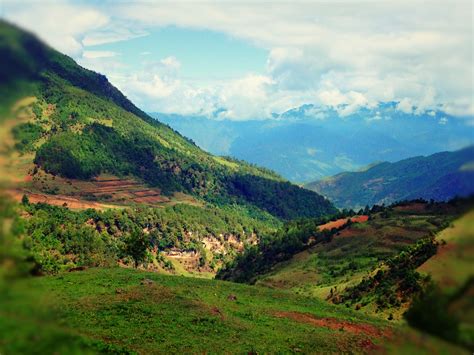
311 142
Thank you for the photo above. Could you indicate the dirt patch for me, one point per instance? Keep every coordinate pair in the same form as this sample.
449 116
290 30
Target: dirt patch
360 219
58 200
333 323
340 222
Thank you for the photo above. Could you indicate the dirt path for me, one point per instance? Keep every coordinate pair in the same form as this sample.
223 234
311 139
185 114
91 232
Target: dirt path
333 323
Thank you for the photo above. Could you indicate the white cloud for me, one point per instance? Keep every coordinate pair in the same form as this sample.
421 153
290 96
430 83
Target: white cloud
171 63
443 120
351 55
112 33
405 105
59 23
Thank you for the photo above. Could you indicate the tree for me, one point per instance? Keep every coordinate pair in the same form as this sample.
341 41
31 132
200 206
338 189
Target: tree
136 246
25 200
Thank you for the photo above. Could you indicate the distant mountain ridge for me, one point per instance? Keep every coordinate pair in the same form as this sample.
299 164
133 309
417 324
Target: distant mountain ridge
310 142
440 176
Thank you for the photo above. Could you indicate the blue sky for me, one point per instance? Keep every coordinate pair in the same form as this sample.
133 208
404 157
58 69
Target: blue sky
250 59
203 54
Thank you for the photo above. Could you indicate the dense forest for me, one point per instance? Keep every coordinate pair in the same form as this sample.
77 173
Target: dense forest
56 238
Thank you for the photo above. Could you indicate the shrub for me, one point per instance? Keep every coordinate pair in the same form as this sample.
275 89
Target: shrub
429 312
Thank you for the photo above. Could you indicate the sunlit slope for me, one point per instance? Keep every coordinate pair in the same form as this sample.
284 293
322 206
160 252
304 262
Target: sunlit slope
453 265
126 311
77 126
354 251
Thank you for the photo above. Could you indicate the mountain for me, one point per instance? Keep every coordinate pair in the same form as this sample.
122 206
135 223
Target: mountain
440 176
311 142
75 125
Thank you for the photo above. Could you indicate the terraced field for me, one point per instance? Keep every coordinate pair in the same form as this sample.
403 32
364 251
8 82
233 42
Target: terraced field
106 191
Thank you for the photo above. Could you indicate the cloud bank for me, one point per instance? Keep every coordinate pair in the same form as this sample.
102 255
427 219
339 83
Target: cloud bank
353 53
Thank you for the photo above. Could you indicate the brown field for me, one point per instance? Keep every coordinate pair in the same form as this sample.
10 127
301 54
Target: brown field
106 191
58 200
340 222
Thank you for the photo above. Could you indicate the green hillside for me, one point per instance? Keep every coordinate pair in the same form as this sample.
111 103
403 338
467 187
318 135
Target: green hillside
76 125
440 176
381 267
128 312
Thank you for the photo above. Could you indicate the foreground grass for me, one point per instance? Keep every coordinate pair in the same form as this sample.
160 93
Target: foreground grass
126 311
451 267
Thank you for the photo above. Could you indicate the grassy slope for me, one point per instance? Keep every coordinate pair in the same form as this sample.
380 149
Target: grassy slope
452 266
452 269
352 254
112 310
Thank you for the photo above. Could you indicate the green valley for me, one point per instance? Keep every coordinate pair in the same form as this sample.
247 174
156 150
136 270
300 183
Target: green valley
120 235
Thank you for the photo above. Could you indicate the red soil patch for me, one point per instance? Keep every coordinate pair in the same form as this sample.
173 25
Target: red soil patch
340 222
333 323
360 219
57 200
151 199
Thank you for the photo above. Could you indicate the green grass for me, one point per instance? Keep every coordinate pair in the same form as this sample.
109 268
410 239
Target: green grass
102 307
111 310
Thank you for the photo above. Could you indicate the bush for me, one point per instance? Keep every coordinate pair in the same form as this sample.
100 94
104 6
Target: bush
26 134
429 312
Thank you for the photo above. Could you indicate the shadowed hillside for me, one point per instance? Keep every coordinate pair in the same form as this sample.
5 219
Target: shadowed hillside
440 177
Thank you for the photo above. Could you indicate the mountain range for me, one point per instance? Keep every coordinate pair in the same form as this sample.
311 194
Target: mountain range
312 141
440 177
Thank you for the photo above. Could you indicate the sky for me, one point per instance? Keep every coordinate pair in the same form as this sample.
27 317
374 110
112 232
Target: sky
249 59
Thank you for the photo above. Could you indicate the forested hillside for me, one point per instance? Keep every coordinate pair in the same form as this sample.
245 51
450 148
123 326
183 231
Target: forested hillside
440 176
74 124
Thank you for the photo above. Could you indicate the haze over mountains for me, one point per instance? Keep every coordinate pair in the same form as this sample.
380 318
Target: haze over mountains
311 142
